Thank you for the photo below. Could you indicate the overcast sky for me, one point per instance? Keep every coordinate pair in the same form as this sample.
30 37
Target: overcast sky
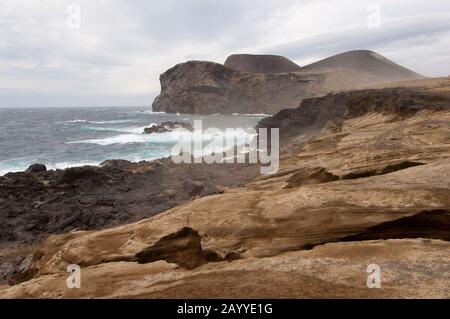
113 52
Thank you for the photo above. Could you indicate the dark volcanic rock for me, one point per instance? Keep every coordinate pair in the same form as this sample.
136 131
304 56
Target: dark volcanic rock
167 127
315 114
73 174
33 206
36 168
17 271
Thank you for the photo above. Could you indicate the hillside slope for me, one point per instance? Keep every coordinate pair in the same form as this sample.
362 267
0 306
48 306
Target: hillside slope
264 64
367 62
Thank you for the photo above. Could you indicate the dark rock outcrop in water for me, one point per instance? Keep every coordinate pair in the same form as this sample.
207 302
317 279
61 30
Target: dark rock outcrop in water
264 64
167 127
199 87
36 168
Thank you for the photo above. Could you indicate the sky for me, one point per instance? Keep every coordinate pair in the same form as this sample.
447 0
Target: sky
58 53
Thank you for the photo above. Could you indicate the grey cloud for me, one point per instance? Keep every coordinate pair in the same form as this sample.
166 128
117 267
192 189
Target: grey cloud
415 30
125 45
200 20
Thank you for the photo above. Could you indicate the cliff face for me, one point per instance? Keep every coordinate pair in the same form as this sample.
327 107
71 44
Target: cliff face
330 111
364 178
199 87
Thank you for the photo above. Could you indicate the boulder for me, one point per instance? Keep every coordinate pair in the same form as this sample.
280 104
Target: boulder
17 271
36 168
74 174
182 247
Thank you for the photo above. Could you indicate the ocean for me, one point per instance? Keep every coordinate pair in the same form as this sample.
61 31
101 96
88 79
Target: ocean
69 137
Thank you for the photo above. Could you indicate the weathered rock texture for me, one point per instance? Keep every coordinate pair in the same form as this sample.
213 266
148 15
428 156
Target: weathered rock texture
200 87
358 191
410 269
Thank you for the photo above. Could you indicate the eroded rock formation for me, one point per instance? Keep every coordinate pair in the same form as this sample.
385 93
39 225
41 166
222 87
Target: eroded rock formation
254 84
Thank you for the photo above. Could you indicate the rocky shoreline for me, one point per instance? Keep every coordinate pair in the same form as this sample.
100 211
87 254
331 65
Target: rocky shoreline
35 204
38 203
364 178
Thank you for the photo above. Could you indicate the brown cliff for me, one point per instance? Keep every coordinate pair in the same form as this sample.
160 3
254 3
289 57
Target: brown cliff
199 87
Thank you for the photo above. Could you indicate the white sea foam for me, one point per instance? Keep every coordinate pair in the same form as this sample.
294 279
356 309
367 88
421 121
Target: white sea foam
20 165
133 129
110 122
118 139
122 130
5 171
160 138
76 121
14 165
64 165
100 122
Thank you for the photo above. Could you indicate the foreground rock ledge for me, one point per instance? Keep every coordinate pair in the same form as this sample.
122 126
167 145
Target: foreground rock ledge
409 269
